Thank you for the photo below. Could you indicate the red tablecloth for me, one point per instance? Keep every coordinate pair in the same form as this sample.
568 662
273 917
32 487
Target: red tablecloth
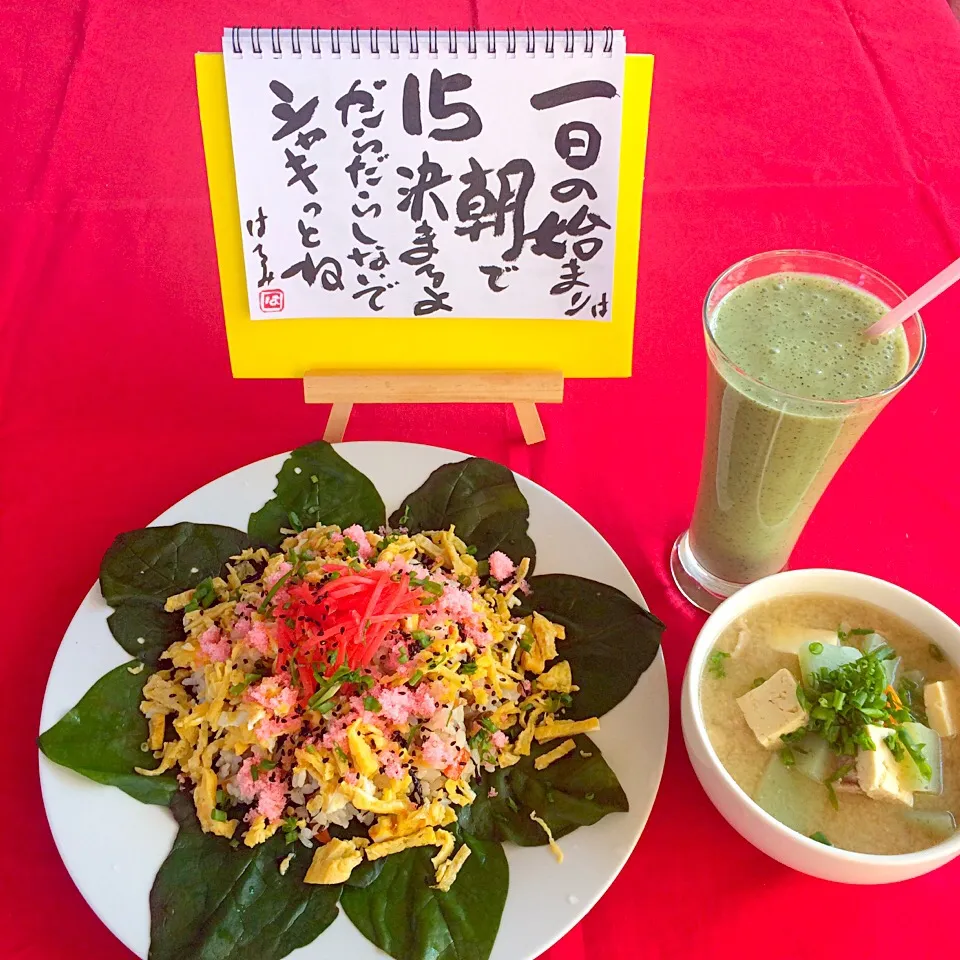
831 124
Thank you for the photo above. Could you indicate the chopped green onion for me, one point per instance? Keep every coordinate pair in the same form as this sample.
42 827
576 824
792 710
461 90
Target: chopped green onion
896 747
405 516
325 694
758 682
841 702
837 774
936 653
429 585
205 593
366 681
820 838
524 644
273 591
489 724
816 648
291 830
372 704
423 638
351 546
786 757
294 521
468 668
916 753
416 678
218 815
341 754
512 804
404 657
472 551
715 664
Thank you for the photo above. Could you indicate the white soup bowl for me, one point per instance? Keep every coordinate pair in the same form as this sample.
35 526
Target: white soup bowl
738 809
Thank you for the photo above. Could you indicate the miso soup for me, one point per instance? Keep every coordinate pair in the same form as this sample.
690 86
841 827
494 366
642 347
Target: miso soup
840 720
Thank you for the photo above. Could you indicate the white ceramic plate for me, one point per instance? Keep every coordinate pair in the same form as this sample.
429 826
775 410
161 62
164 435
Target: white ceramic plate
113 846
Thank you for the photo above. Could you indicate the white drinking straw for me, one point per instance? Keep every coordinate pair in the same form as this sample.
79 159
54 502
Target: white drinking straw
932 288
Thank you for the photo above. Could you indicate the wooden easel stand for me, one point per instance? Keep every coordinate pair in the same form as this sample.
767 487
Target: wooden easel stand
523 388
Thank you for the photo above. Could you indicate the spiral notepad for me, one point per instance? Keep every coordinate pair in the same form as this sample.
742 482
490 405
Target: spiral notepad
427 173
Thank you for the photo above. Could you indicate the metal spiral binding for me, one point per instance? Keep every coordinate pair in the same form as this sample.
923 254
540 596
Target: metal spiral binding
326 42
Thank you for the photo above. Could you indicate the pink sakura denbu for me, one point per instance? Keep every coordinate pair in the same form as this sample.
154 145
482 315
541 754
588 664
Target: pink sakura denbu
215 645
269 790
501 566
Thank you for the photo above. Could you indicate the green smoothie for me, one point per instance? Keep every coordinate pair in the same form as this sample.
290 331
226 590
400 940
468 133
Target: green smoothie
776 433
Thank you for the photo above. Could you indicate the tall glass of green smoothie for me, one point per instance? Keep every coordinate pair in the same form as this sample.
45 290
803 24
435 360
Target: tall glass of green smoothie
792 384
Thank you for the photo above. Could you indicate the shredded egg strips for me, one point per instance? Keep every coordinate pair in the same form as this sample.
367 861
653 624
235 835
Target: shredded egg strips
458 686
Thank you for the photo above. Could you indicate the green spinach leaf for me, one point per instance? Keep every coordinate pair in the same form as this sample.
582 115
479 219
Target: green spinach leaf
572 792
212 902
366 872
401 913
144 567
483 500
101 737
316 485
136 620
610 640
154 563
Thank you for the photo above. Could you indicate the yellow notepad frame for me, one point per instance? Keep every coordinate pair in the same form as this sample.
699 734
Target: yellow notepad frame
292 348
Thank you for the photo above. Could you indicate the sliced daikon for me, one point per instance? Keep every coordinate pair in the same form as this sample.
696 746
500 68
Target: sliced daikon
794 800
873 641
891 668
813 756
827 658
938 823
911 777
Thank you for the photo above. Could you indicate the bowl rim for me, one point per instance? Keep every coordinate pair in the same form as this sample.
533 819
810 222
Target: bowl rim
708 635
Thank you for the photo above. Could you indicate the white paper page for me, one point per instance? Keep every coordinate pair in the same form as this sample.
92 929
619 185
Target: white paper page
334 217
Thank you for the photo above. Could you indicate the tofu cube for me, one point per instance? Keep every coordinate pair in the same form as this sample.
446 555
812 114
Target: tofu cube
878 772
790 638
938 701
772 709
